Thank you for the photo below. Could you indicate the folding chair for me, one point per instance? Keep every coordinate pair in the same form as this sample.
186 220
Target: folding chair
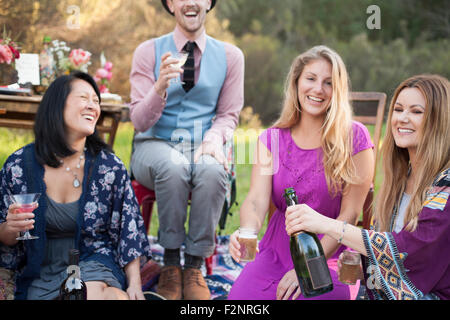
368 108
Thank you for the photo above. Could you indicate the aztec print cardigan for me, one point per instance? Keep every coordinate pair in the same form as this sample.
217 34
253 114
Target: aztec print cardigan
413 265
110 226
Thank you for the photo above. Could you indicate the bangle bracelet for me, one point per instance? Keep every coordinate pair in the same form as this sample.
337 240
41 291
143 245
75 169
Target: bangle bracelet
343 231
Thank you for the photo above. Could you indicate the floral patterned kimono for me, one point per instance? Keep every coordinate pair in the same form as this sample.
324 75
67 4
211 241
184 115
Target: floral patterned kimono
110 228
413 265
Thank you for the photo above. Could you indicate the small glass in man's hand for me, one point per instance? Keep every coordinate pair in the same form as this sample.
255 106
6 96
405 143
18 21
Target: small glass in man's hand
181 58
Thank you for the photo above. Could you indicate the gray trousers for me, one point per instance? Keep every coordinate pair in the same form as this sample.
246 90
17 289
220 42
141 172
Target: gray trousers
168 168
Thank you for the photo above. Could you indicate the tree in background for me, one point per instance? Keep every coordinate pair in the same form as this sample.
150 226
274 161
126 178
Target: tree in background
115 27
414 37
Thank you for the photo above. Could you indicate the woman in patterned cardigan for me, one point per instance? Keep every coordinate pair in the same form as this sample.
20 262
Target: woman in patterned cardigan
407 251
86 202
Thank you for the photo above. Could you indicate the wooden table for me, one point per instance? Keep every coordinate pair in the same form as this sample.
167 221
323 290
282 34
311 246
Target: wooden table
19 112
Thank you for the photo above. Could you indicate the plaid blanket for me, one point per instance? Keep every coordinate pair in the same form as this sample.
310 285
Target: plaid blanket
6 284
224 269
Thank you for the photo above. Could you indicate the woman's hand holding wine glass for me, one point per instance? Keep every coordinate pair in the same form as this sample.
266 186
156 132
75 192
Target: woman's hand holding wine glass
20 214
18 222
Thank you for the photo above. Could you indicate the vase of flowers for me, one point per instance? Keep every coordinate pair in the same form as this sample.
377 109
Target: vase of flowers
103 75
68 60
79 60
9 52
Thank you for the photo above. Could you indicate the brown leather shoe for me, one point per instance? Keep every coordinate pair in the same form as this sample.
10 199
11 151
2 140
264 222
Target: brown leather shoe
194 285
170 283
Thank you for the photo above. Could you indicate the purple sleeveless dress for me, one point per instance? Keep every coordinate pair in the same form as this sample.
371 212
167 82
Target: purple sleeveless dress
302 170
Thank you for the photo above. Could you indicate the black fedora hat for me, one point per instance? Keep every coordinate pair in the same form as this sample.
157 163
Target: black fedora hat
164 3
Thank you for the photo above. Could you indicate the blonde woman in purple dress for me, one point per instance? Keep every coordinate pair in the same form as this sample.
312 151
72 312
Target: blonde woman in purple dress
317 149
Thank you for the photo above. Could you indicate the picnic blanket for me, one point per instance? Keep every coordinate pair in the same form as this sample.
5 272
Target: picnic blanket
224 269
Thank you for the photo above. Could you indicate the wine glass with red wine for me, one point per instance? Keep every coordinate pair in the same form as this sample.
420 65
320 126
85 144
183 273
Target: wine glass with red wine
27 204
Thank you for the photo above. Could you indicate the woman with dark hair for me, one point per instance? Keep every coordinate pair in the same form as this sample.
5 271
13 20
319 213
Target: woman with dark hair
50 127
86 202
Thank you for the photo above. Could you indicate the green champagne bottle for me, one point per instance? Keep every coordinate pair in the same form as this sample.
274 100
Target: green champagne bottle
308 258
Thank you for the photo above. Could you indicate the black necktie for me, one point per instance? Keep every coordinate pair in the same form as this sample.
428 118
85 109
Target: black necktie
188 75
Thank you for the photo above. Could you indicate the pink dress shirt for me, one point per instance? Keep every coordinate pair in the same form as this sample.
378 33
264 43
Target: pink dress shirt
146 105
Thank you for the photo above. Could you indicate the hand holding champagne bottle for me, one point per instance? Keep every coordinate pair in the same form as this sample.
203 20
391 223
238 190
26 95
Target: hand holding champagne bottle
303 217
308 256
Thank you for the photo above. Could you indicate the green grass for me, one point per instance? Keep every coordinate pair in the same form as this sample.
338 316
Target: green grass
122 142
13 139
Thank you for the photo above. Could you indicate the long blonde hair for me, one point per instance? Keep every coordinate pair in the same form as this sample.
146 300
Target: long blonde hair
337 133
432 155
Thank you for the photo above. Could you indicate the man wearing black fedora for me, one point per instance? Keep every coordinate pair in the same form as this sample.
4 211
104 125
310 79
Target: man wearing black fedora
182 127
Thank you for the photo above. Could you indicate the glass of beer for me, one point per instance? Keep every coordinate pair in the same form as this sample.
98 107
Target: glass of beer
247 240
351 267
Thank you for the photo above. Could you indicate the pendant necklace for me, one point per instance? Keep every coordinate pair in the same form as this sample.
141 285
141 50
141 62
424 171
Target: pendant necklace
76 183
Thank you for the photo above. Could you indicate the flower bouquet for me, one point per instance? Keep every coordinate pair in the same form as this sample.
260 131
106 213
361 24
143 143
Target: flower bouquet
69 60
9 52
79 60
103 75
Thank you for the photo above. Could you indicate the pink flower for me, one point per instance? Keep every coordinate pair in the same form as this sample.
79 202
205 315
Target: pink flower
15 52
108 66
103 89
109 76
101 73
79 57
5 54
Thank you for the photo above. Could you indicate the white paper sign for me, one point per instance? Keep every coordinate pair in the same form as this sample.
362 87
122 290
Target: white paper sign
27 67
